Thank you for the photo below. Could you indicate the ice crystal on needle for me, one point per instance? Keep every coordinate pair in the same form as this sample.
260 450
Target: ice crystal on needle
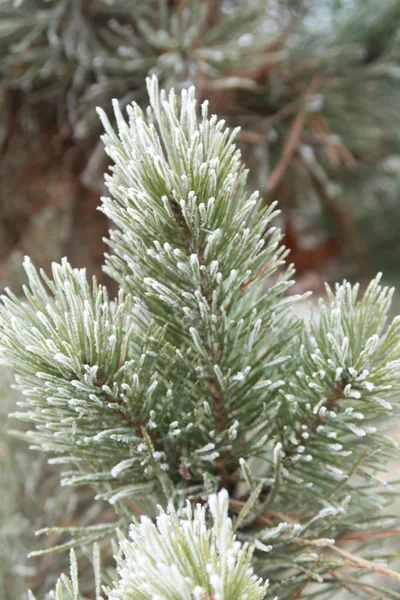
161 561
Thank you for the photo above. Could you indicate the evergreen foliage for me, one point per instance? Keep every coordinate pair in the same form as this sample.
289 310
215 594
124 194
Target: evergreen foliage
154 565
31 498
200 377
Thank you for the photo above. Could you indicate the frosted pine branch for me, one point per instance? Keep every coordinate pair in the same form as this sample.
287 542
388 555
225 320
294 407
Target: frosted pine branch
185 559
203 379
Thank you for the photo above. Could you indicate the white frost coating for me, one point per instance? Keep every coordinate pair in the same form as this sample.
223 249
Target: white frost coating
223 353
185 559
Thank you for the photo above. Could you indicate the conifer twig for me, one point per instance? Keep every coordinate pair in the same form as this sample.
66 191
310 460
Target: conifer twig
292 139
353 560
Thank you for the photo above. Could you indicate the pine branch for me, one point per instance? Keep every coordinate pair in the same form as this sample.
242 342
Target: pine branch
292 140
169 548
198 296
203 379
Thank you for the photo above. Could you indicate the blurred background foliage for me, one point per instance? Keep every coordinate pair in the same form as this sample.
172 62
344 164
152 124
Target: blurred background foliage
32 499
314 86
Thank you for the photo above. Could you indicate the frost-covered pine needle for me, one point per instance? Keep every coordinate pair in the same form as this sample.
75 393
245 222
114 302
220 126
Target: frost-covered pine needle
187 559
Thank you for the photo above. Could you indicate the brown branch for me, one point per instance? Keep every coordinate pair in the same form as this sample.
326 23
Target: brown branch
250 136
181 223
280 115
283 517
362 563
123 353
256 137
368 535
135 508
249 281
289 149
361 587
301 590
223 462
221 424
214 12
335 152
341 583
268 518
292 140
354 560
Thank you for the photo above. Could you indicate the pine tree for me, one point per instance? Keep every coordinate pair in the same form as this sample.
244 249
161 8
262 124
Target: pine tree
200 386
313 85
